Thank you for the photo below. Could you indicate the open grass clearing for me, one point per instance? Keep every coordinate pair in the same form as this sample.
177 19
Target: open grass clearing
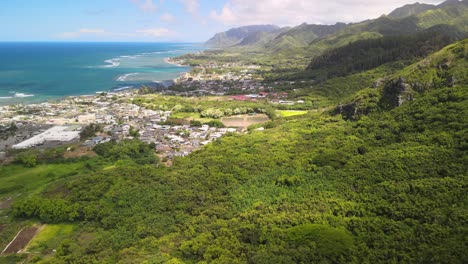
17 179
190 116
49 237
288 113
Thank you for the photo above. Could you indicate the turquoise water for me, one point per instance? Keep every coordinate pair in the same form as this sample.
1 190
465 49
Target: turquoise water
37 72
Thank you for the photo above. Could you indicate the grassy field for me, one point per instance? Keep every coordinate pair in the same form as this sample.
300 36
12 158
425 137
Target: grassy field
288 113
49 237
17 179
190 116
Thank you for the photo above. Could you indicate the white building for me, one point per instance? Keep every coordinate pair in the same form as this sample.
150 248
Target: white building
57 133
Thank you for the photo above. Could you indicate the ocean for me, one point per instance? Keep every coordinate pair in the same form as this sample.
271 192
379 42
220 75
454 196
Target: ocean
37 72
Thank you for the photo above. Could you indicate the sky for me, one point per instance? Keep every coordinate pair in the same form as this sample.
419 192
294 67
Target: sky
171 20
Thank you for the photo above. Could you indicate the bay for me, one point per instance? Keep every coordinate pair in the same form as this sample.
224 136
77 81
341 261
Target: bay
32 72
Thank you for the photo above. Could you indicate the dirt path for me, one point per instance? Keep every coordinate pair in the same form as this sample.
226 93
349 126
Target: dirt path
21 240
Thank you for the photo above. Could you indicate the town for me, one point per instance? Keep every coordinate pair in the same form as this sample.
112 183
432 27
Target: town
50 124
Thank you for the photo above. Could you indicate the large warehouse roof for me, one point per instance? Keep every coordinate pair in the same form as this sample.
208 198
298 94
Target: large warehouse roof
57 133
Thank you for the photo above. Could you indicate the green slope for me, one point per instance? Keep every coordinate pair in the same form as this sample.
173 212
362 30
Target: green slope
368 54
388 186
456 14
411 9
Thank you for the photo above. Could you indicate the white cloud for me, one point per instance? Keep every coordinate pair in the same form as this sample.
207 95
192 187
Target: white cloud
146 6
226 16
92 31
166 17
191 6
156 32
295 12
86 33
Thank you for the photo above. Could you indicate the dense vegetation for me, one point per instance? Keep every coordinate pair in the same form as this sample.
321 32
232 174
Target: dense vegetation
387 187
208 108
378 176
291 50
368 54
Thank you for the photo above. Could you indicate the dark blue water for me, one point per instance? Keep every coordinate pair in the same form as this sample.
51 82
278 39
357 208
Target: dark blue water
36 72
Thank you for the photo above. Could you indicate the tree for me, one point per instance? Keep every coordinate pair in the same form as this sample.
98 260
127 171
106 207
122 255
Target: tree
89 131
28 158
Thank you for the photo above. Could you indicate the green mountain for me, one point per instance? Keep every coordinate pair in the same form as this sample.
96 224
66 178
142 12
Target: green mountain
381 179
455 14
235 36
411 9
302 35
312 40
272 38
368 54
260 39
376 172
443 70
450 2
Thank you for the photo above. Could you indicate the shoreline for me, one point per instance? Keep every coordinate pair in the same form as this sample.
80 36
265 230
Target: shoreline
169 60
21 100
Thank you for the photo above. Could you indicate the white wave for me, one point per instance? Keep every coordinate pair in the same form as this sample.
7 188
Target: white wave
6 97
124 77
23 95
128 57
156 52
123 88
113 63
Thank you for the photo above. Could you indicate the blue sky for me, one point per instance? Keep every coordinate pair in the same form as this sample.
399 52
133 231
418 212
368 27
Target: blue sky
170 20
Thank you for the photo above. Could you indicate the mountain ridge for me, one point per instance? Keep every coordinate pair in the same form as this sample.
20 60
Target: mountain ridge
407 19
411 9
236 35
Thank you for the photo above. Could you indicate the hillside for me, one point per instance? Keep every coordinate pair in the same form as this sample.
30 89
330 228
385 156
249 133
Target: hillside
455 14
405 20
368 54
301 36
235 36
411 9
371 181
373 171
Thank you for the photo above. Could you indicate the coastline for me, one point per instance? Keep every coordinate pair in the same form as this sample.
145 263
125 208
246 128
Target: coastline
155 64
21 99
169 60
182 75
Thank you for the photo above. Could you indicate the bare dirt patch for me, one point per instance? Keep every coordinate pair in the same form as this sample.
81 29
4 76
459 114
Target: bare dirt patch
244 120
21 240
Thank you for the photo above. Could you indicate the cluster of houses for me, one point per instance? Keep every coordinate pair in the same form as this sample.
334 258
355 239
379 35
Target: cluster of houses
179 141
118 119
121 119
212 87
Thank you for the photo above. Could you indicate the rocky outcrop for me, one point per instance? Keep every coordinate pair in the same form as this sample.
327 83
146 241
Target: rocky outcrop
395 93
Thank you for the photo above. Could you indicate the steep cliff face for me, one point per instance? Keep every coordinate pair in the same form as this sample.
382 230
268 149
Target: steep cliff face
364 103
395 93
237 35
